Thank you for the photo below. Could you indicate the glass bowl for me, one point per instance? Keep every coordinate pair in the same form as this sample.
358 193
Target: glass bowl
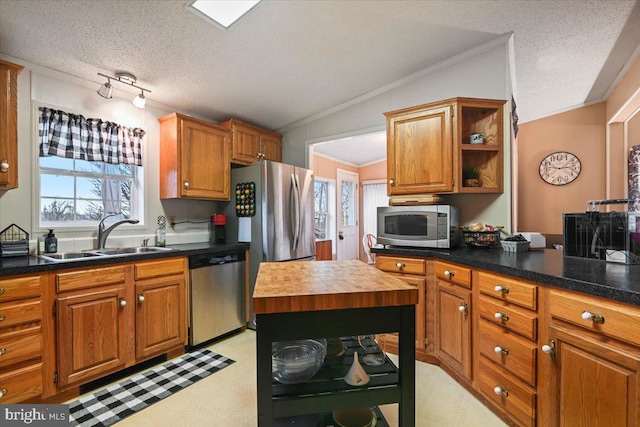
294 362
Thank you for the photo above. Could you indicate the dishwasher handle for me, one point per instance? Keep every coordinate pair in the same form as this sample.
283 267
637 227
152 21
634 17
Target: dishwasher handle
207 260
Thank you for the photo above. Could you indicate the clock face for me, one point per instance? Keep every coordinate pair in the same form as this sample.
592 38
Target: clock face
560 168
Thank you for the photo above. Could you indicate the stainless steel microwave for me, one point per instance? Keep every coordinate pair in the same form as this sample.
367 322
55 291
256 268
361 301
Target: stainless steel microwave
431 226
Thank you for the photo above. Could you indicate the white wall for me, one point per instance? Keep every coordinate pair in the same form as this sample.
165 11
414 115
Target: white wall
482 73
44 86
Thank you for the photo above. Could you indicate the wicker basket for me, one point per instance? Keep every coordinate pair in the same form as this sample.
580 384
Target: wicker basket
481 239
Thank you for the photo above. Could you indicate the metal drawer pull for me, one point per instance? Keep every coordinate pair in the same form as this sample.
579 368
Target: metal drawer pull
501 316
2 317
597 318
400 265
2 291
2 351
186 184
499 390
499 350
449 273
3 392
4 166
123 302
140 298
502 289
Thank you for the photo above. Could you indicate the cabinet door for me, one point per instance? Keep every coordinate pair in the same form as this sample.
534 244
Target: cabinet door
160 315
246 144
271 147
420 283
93 329
420 151
8 125
597 384
453 306
204 162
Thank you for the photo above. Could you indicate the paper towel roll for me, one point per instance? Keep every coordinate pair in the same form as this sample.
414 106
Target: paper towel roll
244 229
634 179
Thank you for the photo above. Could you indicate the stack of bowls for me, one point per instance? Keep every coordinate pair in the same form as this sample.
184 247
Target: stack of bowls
294 362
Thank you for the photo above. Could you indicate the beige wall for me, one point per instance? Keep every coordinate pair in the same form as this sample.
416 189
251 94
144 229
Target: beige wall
326 168
581 132
374 171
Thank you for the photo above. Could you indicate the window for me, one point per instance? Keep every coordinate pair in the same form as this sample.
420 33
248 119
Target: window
79 193
322 214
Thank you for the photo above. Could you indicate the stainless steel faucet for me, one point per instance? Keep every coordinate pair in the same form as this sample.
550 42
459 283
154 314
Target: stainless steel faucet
103 234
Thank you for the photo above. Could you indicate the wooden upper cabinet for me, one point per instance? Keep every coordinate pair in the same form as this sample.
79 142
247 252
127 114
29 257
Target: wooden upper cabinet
251 144
195 159
9 125
428 147
419 150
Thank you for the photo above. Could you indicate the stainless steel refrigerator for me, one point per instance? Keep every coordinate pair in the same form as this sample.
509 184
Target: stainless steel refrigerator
282 227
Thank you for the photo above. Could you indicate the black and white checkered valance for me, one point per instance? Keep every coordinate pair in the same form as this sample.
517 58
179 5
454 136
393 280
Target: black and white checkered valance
75 137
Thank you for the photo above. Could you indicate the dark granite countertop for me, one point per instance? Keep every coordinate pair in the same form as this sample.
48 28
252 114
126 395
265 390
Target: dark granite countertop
614 281
32 264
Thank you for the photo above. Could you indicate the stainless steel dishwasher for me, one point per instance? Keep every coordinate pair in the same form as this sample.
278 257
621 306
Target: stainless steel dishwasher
216 296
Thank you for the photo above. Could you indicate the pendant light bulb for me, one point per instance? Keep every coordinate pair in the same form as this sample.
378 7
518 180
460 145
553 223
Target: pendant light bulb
106 90
139 100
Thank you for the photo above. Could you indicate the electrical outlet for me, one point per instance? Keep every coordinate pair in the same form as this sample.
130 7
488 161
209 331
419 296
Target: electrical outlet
172 222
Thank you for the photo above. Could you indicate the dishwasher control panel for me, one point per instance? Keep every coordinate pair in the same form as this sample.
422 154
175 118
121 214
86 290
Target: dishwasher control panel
198 261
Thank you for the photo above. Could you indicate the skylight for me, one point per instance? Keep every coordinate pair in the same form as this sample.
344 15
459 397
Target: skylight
222 12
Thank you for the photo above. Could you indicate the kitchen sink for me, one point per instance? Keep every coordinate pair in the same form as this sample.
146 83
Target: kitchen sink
102 253
69 256
130 251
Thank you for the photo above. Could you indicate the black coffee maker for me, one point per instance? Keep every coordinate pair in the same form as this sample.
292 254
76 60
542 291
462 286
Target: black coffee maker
219 223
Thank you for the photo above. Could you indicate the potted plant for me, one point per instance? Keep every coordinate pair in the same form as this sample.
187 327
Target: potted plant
471 177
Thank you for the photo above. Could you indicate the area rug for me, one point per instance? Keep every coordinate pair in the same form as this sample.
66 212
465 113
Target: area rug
112 404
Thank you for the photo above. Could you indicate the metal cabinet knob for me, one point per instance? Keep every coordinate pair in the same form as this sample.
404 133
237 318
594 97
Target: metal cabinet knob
501 316
546 348
597 318
123 302
449 273
140 298
2 317
463 307
502 289
550 349
502 350
2 351
2 291
186 184
392 181
499 390
4 165
3 392
400 265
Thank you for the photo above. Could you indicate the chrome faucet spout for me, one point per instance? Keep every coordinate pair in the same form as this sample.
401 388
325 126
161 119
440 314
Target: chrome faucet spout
104 233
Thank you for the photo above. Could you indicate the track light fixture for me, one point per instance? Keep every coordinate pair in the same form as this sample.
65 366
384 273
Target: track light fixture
106 90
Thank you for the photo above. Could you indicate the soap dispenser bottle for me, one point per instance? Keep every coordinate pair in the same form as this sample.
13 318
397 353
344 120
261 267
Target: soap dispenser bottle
50 243
161 232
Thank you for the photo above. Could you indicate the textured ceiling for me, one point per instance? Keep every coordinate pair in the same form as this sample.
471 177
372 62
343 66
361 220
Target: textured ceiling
288 60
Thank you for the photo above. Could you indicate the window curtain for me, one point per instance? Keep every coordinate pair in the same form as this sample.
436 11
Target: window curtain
373 195
73 136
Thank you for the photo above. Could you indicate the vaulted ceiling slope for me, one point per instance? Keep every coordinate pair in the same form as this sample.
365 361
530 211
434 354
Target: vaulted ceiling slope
288 60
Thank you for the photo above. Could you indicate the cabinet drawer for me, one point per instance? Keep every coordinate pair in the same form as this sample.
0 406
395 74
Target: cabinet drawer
621 321
19 346
516 398
400 265
89 278
518 356
453 273
15 313
21 384
509 316
506 289
22 287
166 267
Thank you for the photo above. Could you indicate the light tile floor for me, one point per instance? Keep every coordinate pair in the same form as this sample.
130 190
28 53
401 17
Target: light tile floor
228 398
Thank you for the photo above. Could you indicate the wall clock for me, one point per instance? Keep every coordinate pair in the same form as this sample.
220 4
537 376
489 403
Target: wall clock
560 168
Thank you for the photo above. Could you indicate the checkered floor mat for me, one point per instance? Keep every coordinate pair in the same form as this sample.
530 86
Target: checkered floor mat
116 402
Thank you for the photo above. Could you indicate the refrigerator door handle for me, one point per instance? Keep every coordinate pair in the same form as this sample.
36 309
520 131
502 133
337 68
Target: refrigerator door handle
295 210
298 211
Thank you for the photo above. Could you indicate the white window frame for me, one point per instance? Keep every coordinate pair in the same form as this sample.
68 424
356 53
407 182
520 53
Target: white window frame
138 198
331 204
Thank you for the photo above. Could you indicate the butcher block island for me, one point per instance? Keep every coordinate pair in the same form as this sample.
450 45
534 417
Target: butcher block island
322 299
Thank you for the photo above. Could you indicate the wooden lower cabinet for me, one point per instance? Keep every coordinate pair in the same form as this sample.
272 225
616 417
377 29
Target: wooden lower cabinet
160 315
102 329
590 374
93 331
453 330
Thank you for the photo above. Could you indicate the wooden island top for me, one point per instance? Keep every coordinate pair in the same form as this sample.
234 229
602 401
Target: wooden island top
283 287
